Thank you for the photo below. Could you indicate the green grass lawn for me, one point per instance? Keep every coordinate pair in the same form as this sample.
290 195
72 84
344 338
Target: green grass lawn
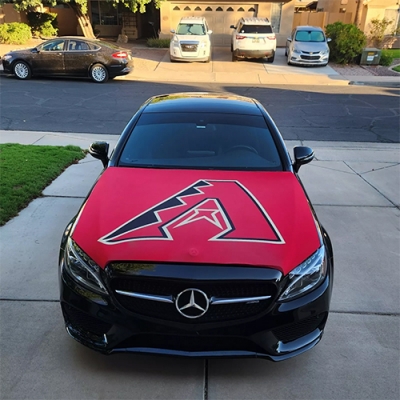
394 52
25 170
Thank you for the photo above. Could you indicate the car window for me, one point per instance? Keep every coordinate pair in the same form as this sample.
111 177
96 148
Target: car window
256 29
203 141
75 45
54 45
191 29
310 36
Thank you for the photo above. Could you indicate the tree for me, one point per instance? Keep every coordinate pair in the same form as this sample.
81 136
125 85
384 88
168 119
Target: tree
377 32
80 8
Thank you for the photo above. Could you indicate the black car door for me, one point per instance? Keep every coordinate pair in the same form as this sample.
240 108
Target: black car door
49 60
79 57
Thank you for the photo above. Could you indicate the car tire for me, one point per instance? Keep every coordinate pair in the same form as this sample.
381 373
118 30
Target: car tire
271 59
234 58
99 73
231 48
285 51
22 70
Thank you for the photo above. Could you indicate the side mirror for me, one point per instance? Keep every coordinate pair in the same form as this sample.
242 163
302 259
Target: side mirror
302 155
172 30
289 39
232 27
209 32
35 50
99 150
328 39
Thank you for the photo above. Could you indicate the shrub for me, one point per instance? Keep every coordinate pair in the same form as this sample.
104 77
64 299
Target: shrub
376 35
15 33
43 24
160 43
387 58
347 42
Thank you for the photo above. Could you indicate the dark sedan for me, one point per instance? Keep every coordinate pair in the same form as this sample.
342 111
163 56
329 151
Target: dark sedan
70 56
198 238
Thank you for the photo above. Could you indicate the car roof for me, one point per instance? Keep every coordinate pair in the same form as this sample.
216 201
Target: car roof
308 28
192 20
255 21
224 103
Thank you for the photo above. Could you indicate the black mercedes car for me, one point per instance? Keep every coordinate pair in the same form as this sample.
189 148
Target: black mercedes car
198 238
70 56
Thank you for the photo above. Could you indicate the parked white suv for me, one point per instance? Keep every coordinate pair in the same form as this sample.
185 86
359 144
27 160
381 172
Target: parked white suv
253 38
191 40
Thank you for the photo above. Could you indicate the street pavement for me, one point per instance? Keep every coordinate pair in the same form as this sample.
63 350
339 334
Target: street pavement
355 188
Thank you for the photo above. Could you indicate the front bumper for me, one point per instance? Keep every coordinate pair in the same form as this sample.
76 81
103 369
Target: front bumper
196 52
300 59
276 332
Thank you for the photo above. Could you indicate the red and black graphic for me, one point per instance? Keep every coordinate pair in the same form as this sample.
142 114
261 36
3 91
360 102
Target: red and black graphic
213 210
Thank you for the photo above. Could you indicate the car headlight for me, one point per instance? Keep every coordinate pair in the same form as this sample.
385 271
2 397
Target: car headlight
203 44
324 52
298 51
82 268
7 57
306 276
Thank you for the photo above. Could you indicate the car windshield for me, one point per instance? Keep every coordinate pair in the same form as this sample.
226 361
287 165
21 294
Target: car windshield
256 29
310 36
201 141
191 29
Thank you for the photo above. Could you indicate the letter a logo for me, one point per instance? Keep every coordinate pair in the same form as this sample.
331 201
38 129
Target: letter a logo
211 210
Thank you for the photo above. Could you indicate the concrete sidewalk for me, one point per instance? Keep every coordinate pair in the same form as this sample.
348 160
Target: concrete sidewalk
355 190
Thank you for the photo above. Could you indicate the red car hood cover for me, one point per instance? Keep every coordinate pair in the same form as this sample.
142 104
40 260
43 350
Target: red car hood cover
195 216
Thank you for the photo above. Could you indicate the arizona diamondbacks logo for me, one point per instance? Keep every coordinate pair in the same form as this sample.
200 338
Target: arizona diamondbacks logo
213 210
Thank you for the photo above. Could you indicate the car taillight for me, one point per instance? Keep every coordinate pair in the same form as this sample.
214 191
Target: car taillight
271 37
239 37
120 54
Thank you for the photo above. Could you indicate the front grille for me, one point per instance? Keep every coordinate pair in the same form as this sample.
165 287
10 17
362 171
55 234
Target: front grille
171 287
298 329
85 322
311 58
189 48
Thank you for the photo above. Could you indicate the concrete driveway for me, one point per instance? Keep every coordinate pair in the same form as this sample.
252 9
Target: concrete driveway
355 190
154 64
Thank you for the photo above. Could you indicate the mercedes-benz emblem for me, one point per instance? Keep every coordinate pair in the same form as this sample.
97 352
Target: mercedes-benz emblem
192 303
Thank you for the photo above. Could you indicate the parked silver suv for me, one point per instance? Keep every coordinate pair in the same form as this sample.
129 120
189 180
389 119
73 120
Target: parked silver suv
191 40
253 38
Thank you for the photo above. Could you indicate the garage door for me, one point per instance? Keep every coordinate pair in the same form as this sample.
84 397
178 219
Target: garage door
219 17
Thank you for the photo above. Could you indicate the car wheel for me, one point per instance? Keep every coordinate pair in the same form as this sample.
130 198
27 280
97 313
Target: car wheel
99 73
234 58
231 47
271 59
22 70
286 51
